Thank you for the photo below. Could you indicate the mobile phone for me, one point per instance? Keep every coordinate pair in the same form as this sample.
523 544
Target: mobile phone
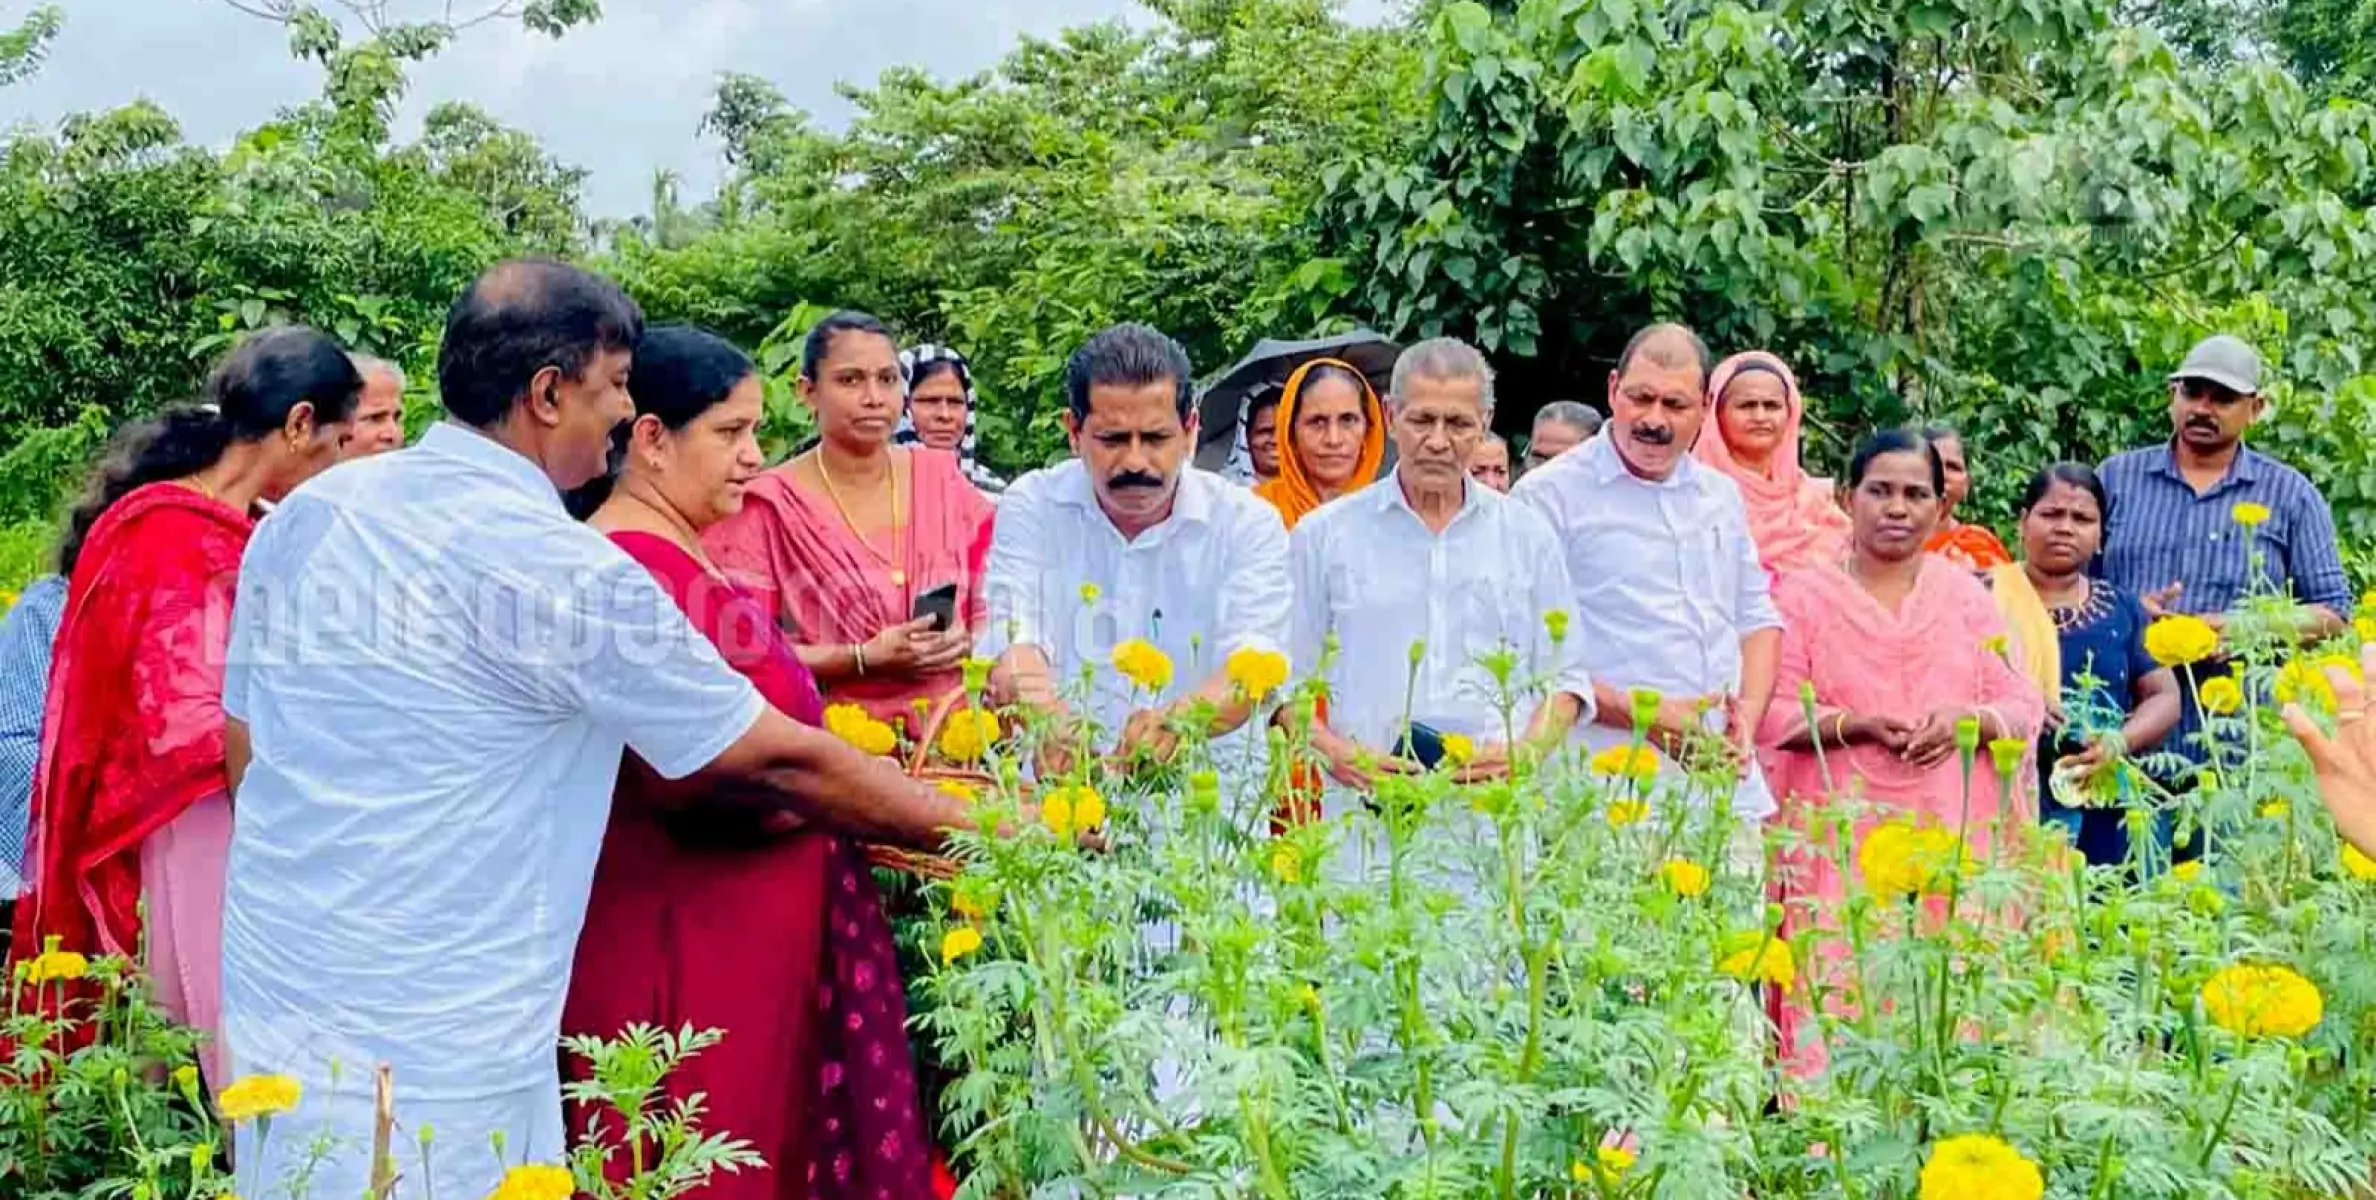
940 604
1421 744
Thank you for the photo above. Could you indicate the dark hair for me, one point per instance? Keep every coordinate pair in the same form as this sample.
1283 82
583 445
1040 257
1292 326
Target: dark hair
249 397
1131 355
941 366
1334 371
1896 441
1263 396
518 318
2078 475
819 341
1649 333
680 372
1940 431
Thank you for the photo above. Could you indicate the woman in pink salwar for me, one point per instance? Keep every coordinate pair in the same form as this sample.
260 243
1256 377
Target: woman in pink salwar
840 541
1900 646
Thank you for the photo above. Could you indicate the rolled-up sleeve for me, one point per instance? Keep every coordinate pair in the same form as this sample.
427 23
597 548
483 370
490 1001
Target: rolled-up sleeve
646 674
2316 564
1753 599
1015 575
1257 591
1540 561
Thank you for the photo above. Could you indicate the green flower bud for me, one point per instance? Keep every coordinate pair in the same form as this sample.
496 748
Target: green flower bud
1967 735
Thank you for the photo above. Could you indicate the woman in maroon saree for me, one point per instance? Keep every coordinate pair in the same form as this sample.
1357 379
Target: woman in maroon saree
707 915
131 805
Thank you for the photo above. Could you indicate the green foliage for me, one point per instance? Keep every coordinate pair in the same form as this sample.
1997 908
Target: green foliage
665 1152
2012 216
23 48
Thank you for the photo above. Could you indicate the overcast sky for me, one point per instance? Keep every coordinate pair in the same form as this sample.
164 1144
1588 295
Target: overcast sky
620 98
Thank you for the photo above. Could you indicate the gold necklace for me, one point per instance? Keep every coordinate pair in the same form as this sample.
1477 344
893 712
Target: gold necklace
896 561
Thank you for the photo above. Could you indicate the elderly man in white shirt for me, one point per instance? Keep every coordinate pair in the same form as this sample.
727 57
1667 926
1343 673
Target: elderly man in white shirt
433 674
1669 594
1127 541
1428 555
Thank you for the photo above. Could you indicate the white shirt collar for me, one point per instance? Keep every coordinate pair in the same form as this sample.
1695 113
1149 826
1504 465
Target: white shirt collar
485 453
1391 496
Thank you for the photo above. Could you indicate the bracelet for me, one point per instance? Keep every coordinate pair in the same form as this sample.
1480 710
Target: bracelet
858 651
1840 728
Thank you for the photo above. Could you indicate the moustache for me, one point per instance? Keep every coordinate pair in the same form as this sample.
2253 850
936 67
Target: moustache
1134 479
1653 436
2202 423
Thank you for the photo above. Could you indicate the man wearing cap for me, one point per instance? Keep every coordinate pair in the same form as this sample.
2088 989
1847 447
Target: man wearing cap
2173 537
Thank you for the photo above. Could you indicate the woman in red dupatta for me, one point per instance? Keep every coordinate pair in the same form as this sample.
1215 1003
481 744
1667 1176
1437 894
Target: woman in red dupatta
1897 646
840 541
131 803
707 915
1755 440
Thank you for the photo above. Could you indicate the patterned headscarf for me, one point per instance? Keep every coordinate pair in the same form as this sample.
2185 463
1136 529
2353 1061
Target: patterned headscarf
912 361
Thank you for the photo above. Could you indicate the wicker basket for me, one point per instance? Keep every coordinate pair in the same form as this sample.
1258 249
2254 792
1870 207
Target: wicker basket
920 767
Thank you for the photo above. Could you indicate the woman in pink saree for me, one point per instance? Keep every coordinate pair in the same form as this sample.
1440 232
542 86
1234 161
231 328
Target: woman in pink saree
840 541
1900 646
1755 440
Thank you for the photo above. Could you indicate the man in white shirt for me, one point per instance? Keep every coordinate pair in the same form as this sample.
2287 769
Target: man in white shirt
433 674
1429 555
1127 541
1669 594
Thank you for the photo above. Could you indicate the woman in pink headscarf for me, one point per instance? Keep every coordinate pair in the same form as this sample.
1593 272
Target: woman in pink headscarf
1755 439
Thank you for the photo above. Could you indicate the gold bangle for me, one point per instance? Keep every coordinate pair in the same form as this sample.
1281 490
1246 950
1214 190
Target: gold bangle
858 651
1840 729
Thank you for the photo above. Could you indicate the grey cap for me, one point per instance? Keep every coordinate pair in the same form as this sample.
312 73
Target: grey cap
2224 360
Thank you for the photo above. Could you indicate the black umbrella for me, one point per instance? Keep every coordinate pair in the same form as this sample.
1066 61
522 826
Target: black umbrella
1271 362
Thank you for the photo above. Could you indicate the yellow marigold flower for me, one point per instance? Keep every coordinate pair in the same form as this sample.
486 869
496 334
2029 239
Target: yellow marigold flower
1608 1162
535 1181
2187 872
1286 863
53 963
854 725
2275 810
1142 663
259 1096
1977 1166
1628 812
2253 1001
1640 763
1759 958
1070 811
1459 748
965 902
1684 877
1257 673
2304 680
959 942
2358 865
1901 858
1310 996
2220 696
2250 515
2365 627
956 789
2177 641
968 736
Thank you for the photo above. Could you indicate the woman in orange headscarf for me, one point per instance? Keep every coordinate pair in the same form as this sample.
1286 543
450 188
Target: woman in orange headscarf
1332 435
1755 440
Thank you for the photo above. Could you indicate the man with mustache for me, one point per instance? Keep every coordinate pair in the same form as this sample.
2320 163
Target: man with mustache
1126 542
2174 536
1669 593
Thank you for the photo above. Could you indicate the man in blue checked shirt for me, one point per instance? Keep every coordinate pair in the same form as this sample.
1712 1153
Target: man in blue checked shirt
2173 538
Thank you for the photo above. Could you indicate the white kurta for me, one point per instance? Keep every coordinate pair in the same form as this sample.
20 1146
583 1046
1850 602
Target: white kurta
439 670
1667 580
